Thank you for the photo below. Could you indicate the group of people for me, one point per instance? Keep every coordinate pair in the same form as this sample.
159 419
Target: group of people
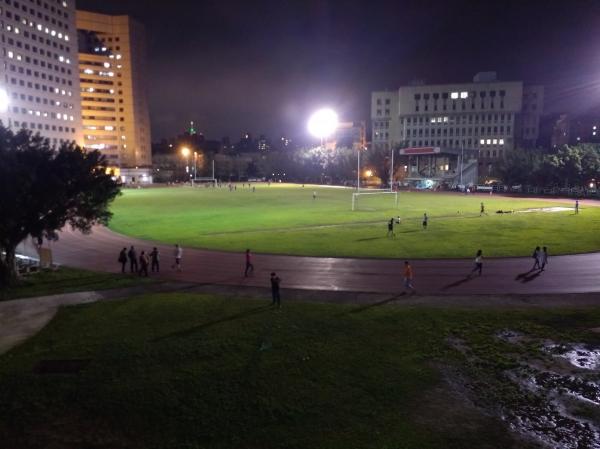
140 264
540 258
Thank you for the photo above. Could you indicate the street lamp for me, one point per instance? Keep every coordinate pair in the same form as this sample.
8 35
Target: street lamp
185 151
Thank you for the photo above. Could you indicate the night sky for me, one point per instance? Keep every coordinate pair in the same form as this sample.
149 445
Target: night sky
263 66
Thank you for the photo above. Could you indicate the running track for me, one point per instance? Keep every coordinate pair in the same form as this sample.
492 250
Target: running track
564 274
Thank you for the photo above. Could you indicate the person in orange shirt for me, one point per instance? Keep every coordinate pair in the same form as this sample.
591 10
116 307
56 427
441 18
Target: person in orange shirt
408 276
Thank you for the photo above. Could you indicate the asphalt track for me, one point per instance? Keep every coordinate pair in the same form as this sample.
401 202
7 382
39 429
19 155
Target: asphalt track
564 274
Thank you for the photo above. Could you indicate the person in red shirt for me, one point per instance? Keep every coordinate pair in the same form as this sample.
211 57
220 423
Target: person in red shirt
249 265
408 276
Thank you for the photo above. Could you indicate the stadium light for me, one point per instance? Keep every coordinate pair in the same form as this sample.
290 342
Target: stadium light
185 151
323 123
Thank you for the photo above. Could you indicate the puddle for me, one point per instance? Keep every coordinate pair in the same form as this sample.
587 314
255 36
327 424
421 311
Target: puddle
544 209
577 355
559 401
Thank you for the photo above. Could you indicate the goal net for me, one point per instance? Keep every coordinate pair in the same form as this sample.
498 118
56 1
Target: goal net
372 198
205 181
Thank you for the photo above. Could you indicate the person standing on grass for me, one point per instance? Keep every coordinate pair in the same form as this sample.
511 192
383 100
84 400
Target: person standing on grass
543 258
275 281
408 277
123 259
482 209
425 220
178 253
478 263
155 258
249 264
133 264
314 195
391 228
144 262
536 258
576 206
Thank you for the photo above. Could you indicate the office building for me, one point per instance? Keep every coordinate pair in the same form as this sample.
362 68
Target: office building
115 113
39 89
487 115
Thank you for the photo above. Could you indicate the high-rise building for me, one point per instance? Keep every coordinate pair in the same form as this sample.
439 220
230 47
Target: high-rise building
487 115
39 89
115 113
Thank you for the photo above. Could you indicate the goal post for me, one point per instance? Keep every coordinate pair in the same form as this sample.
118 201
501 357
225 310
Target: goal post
207 179
356 195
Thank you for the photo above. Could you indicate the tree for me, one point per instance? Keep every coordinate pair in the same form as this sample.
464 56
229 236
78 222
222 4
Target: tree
518 166
43 190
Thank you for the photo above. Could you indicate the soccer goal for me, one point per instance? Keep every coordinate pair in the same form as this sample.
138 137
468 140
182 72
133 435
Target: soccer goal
371 193
206 181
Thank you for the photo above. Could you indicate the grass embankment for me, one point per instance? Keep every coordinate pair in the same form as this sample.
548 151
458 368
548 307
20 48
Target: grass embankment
190 371
67 280
285 219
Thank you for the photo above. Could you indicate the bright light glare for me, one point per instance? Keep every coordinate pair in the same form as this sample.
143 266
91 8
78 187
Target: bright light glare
4 100
323 123
185 151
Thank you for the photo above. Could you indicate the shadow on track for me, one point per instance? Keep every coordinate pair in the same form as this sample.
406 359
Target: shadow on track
376 304
458 283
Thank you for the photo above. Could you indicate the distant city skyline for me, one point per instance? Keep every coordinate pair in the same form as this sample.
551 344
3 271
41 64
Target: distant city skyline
264 66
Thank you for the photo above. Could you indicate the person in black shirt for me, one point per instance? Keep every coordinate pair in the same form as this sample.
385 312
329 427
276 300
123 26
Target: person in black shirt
275 281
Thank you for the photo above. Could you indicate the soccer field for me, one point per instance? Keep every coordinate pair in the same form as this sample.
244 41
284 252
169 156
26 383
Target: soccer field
285 219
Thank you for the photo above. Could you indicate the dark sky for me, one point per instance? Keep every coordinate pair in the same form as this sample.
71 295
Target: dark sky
263 66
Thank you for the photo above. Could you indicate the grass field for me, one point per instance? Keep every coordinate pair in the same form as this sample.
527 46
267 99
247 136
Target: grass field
191 371
68 280
285 219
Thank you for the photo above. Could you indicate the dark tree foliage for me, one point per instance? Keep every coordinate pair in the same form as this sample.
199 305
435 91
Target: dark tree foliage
569 166
42 190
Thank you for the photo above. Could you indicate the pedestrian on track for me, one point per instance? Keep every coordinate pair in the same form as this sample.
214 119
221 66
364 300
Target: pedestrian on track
155 258
123 259
133 263
408 277
144 262
178 253
478 263
536 258
543 258
275 282
249 264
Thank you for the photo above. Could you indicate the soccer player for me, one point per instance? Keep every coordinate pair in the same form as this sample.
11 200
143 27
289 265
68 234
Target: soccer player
576 206
391 228
425 220
314 195
482 209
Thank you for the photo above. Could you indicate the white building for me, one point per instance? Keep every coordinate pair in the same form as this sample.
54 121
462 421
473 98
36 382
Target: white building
39 89
487 115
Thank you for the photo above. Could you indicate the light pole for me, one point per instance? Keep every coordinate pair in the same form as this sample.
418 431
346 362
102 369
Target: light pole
195 160
185 151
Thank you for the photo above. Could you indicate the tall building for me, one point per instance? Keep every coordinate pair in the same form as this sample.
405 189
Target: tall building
115 113
39 89
487 115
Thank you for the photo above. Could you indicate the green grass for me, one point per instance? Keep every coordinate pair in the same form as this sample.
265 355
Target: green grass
284 219
192 371
67 280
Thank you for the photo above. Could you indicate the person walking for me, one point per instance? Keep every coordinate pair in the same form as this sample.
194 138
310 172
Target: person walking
478 263
133 263
144 262
123 259
425 220
408 277
249 264
155 259
178 253
536 258
275 281
543 258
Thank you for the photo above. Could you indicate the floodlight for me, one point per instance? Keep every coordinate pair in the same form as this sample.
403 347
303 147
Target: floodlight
323 123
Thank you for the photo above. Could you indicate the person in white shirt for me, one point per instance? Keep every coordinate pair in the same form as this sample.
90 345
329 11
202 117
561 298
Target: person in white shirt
178 254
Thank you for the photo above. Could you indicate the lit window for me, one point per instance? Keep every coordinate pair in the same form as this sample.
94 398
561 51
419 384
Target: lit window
464 95
445 119
593 127
495 141
454 95
488 142
11 54
501 141
482 142
88 71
